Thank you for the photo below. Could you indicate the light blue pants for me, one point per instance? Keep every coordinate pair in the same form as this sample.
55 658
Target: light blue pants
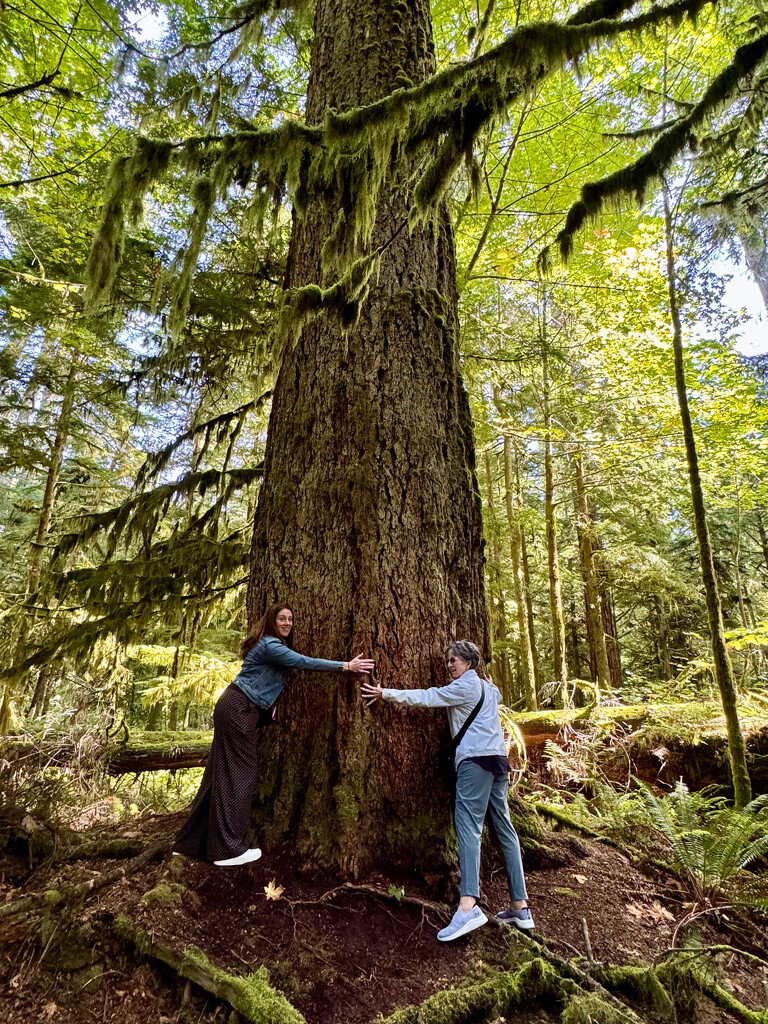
479 792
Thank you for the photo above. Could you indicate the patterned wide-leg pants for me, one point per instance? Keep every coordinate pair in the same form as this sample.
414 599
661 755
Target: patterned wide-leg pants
218 820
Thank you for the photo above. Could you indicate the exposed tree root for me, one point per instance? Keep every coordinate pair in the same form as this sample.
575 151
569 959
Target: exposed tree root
72 893
253 997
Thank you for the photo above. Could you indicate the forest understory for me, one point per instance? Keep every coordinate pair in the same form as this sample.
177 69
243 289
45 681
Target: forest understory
101 923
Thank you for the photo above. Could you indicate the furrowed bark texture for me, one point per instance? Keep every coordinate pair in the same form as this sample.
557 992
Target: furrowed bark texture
369 517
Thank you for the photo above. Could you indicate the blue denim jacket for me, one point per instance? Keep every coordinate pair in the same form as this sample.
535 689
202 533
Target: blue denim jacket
262 676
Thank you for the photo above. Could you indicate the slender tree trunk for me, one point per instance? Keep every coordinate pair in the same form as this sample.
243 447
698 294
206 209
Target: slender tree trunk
526 575
369 517
498 611
595 630
756 256
763 537
527 673
723 669
555 587
662 638
55 463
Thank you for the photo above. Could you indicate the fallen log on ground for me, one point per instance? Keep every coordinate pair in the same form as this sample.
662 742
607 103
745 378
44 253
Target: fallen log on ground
71 893
251 996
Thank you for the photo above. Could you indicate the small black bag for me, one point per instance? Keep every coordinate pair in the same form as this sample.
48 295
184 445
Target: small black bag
468 721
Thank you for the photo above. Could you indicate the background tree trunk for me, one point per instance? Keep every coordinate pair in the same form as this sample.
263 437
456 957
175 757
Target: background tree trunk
527 670
737 750
555 587
498 609
369 517
13 689
595 632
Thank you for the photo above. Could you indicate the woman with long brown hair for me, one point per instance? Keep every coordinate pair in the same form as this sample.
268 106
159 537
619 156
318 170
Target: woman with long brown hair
216 827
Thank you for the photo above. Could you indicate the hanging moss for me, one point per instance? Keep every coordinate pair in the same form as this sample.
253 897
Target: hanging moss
354 154
635 179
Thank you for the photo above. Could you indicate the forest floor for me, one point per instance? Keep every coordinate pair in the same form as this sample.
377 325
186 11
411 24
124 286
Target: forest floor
338 953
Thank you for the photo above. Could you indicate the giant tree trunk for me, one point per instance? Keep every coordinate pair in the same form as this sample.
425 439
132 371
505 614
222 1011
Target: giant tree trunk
369 517
737 750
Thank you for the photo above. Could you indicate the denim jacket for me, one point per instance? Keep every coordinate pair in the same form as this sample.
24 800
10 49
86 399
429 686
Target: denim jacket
262 676
484 736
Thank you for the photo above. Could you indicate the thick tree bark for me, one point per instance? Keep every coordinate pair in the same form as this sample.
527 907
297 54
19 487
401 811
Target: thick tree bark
595 632
737 751
369 517
555 587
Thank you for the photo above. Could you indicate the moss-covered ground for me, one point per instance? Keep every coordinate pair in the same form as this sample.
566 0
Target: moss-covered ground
330 954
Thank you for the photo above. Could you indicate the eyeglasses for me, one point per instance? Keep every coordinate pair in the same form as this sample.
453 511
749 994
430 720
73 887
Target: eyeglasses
452 661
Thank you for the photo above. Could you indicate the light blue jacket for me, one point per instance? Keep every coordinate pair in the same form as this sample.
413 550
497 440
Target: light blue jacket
262 676
484 736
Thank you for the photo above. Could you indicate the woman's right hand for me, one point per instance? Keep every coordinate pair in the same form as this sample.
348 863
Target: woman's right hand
371 693
360 664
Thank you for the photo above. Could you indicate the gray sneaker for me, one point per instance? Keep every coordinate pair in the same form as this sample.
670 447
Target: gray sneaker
462 923
522 919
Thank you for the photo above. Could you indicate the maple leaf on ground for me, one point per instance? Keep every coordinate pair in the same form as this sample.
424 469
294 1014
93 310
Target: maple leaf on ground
650 913
274 891
50 1010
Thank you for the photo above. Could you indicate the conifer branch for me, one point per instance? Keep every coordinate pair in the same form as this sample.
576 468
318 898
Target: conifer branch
634 179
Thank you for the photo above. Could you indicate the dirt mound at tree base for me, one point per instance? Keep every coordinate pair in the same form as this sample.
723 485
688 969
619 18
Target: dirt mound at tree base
339 953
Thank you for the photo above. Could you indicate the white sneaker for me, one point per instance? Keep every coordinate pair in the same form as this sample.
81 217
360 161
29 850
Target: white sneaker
462 923
234 862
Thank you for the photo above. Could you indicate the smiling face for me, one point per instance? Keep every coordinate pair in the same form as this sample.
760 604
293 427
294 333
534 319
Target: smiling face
456 666
284 622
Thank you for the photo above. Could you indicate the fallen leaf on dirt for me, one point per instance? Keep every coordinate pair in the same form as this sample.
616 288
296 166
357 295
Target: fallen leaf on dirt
50 1010
650 913
734 986
581 879
563 890
273 891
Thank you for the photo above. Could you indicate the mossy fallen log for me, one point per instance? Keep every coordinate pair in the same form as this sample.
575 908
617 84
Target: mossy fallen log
251 996
142 752
664 741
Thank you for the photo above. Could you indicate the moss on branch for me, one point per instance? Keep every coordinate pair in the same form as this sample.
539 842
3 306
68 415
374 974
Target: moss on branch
425 130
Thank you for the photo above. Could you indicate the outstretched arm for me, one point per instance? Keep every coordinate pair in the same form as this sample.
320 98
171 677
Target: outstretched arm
458 692
279 654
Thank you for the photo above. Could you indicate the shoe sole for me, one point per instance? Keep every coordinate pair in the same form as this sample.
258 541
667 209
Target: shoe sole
470 926
522 926
236 862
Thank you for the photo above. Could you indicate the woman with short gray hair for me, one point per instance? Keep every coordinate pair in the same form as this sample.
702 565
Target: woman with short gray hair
482 781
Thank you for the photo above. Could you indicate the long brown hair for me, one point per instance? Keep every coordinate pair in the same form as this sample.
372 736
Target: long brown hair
266 626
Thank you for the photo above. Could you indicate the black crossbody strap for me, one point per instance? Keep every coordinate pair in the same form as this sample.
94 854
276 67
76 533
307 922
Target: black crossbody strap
468 721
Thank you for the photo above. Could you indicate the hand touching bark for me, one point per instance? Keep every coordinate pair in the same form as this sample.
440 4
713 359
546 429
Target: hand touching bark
359 664
371 693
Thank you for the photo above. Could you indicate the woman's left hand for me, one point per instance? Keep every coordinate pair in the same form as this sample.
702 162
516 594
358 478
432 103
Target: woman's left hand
371 693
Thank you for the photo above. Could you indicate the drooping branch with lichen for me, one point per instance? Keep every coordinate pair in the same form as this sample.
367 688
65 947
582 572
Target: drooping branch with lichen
634 180
429 129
